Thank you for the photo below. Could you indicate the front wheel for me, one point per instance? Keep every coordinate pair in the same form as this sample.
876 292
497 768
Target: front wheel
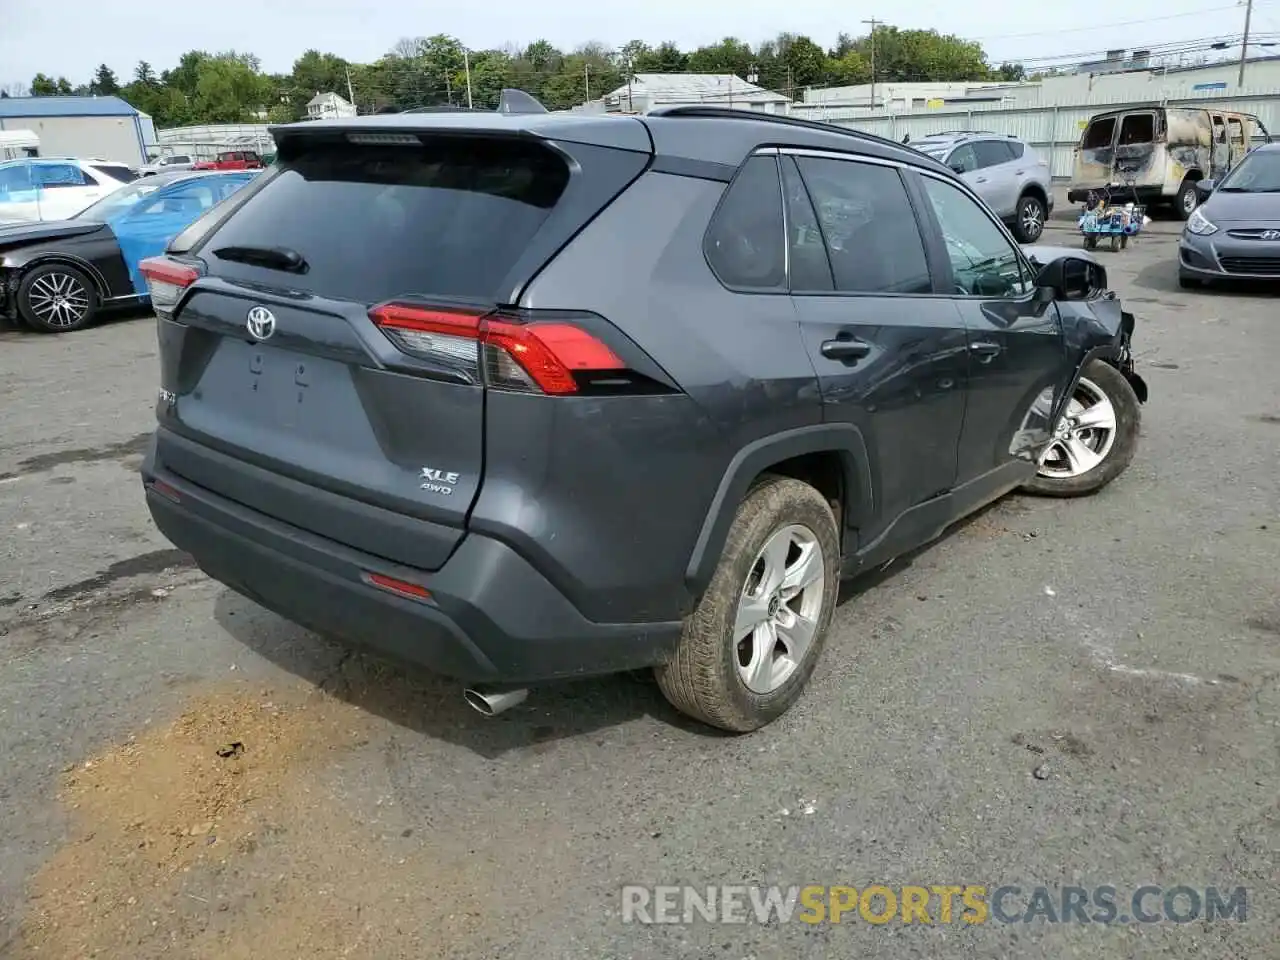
1030 222
1096 439
56 298
751 644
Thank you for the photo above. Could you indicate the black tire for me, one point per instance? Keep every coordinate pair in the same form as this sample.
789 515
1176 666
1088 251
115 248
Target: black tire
1186 199
1115 243
1090 242
1030 207
38 285
1128 413
702 678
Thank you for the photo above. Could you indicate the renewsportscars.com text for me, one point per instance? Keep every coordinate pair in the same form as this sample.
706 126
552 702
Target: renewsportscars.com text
934 904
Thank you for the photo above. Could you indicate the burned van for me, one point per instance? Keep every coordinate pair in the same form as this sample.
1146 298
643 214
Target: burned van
1160 152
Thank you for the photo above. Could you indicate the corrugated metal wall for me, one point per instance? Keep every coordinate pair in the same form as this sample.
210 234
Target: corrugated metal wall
1053 131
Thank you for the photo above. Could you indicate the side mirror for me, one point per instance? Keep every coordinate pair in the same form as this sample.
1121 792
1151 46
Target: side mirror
1072 278
1204 188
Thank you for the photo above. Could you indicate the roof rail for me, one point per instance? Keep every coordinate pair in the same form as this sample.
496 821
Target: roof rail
728 113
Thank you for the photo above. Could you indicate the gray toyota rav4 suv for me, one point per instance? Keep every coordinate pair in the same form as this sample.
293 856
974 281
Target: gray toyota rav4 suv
528 396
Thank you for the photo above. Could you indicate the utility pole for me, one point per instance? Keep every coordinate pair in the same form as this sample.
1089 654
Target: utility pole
466 65
874 23
586 81
351 94
631 108
1244 46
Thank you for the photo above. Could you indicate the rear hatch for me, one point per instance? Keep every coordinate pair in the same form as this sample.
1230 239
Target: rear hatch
286 392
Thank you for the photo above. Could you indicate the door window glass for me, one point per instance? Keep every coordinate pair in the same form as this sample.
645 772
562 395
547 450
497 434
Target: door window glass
1098 134
744 243
1236 129
869 227
983 261
15 179
963 159
55 175
991 152
1138 128
810 268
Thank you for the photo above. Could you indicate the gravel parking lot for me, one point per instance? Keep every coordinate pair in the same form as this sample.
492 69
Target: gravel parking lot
1056 693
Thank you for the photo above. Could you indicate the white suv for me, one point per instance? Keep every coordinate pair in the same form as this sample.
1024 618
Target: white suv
56 188
1004 171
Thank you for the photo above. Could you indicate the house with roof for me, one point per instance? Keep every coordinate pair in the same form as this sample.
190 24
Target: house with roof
326 106
647 91
103 128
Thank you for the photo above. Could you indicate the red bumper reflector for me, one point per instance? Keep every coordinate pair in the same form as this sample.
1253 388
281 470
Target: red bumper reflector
414 591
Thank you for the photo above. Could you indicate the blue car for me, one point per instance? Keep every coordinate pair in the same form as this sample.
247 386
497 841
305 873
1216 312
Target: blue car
57 275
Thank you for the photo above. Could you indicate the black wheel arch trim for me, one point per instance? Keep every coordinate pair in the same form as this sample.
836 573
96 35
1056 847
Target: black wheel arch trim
843 439
70 260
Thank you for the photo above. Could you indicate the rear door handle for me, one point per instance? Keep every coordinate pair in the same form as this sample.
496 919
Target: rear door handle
984 350
847 349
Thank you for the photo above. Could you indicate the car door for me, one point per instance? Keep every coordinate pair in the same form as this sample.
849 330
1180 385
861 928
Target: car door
890 351
1015 339
18 195
65 188
1220 152
994 180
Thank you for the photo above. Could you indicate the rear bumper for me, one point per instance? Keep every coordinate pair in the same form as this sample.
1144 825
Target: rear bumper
491 617
1120 193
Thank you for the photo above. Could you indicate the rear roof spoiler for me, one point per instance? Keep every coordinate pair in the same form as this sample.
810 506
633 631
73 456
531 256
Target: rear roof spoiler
511 101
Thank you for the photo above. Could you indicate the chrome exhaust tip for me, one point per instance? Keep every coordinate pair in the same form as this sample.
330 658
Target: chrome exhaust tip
490 703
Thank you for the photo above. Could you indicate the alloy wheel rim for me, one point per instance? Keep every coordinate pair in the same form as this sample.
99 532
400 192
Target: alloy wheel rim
1032 222
777 617
1189 201
1084 437
58 300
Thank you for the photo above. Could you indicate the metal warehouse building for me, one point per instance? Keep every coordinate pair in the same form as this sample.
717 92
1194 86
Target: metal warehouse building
104 128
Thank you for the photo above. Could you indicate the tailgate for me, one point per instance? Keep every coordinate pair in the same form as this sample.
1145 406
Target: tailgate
283 394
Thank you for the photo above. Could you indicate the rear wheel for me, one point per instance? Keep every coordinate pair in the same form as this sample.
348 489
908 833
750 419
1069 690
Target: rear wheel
56 298
1096 439
749 648
1186 200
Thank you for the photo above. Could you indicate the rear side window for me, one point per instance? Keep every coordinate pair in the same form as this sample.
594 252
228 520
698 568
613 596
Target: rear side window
810 266
869 226
744 244
1098 134
992 152
450 218
1016 147
117 171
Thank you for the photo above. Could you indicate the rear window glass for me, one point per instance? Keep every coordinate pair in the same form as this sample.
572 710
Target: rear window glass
449 218
1099 134
1016 148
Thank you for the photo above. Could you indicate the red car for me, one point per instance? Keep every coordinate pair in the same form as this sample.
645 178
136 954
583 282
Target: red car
232 160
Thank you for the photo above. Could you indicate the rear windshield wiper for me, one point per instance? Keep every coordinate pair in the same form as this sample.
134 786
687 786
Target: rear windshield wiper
273 258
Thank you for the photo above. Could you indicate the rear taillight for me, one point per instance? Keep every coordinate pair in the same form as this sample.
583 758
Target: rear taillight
537 356
167 280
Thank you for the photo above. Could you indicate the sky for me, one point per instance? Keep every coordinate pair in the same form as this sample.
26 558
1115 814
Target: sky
71 37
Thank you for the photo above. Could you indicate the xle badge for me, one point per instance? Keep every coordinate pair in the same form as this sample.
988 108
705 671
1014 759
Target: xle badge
437 481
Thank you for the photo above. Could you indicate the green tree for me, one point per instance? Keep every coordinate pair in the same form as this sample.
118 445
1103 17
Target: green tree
45 86
229 89
144 74
314 72
1011 72
913 55
730 55
104 82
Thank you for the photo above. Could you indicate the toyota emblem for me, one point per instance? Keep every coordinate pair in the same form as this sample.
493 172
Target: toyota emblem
261 323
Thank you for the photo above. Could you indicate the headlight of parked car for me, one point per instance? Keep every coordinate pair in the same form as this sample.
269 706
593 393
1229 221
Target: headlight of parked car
1200 225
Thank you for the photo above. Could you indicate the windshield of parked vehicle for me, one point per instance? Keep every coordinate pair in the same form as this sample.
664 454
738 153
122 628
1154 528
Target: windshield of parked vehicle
1259 172
118 201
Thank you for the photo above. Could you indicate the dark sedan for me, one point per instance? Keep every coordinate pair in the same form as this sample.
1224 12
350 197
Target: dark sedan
56 275
1235 232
